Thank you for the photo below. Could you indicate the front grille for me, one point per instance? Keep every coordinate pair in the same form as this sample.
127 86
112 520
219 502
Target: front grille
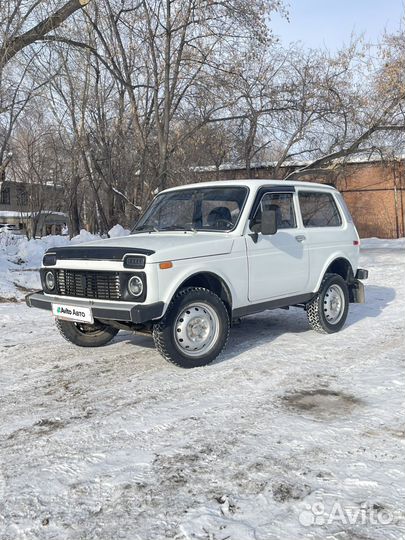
85 284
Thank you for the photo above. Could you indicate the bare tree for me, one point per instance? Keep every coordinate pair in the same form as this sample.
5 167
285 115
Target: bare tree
34 168
366 117
166 53
20 25
136 94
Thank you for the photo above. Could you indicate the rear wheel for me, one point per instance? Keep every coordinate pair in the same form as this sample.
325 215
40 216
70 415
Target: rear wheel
86 335
327 311
194 329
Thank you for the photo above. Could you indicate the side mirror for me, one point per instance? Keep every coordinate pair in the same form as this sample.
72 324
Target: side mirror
269 221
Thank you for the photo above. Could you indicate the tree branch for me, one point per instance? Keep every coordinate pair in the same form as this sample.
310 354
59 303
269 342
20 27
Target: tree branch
11 47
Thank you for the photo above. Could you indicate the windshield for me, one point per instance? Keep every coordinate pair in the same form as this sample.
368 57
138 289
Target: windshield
200 209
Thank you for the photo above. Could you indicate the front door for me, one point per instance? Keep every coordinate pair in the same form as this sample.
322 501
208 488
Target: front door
278 264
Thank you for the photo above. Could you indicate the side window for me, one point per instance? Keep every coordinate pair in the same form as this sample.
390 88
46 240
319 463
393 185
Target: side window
283 204
319 209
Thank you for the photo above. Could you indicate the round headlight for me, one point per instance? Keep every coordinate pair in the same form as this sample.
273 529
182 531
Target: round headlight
135 286
50 280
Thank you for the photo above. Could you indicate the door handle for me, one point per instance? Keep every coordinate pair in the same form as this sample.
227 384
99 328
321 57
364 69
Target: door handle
300 238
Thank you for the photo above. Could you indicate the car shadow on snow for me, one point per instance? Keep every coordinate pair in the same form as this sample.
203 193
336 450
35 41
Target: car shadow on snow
130 338
262 329
265 327
377 299
254 330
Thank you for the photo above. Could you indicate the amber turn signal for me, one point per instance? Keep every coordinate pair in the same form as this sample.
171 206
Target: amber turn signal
165 265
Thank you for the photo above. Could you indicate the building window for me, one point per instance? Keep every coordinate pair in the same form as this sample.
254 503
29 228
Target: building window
5 196
22 197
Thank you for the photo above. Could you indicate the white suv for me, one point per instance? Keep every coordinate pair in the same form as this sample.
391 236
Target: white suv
201 257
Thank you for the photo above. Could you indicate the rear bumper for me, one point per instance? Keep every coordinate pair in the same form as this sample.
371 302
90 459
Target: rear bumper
357 294
114 311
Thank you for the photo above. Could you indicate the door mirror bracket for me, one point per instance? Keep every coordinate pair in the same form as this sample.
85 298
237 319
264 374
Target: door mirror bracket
255 227
254 236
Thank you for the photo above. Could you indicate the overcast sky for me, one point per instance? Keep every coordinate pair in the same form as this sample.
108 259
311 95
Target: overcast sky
330 23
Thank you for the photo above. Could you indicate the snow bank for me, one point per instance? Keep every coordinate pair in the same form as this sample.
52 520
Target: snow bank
380 243
118 230
20 259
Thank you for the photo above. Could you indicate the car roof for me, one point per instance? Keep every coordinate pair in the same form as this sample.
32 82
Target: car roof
253 183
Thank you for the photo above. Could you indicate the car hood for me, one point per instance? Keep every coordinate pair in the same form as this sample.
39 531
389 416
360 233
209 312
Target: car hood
170 246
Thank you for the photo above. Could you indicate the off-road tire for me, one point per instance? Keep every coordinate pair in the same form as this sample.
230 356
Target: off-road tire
86 335
315 307
163 331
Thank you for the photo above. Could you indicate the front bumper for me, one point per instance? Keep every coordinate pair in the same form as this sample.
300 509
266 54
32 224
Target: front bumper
114 311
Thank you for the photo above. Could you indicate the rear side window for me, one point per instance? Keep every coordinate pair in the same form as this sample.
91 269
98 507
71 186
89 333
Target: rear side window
319 209
345 208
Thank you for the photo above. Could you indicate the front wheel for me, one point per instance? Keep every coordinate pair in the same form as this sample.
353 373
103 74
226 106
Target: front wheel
86 335
327 311
194 329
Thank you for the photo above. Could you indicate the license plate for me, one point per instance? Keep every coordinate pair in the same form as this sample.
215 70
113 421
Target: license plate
73 313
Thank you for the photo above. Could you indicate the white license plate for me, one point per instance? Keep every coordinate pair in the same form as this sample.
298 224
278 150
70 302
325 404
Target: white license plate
73 313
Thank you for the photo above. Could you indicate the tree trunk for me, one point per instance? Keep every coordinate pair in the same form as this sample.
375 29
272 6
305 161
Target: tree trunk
74 208
249 144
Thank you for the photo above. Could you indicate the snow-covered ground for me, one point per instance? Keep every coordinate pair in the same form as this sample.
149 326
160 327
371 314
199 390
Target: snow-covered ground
288 435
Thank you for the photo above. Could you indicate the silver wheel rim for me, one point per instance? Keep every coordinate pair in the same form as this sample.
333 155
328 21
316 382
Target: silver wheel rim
196 330
334 304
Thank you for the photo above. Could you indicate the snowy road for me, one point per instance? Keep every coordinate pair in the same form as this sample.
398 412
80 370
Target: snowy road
289 435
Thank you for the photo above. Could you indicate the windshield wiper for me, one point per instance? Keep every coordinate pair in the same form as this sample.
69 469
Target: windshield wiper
150 228
178 228
146 228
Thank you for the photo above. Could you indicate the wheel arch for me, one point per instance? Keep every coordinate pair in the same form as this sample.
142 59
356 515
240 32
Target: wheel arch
211 281
340 265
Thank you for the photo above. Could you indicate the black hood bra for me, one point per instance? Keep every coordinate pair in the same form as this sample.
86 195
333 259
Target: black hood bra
91 253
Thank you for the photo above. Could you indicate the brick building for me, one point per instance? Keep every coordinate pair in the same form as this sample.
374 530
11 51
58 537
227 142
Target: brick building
373 190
